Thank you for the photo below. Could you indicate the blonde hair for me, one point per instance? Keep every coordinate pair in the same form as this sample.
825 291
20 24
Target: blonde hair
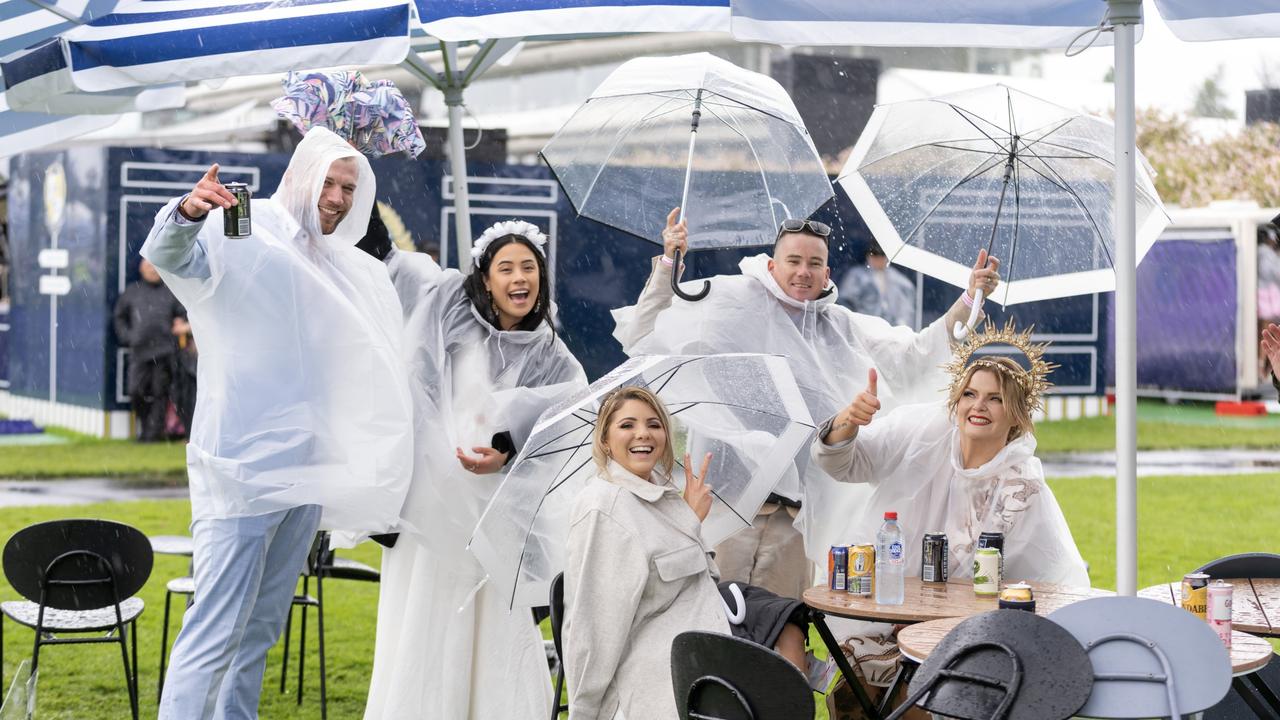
609 406
1017 401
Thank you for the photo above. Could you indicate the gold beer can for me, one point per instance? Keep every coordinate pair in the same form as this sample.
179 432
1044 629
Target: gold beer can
862 570
1195 594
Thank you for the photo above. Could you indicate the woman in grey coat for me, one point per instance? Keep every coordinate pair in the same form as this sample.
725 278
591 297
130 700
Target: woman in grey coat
639 571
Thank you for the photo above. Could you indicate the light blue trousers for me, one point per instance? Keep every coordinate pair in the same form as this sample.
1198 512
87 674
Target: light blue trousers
246 572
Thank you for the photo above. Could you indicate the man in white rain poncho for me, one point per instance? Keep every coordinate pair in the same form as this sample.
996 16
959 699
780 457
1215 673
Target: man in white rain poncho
484 361
303 416
786 304
962 466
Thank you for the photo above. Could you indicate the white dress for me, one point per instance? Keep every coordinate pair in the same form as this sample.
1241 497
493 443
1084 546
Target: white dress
447 646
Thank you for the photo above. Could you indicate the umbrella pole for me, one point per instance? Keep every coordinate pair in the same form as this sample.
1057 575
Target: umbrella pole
684 200
960 332
1125 14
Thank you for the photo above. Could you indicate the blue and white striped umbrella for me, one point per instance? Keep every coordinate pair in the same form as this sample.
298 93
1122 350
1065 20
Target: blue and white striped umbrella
971 23
155 42
463 20
24 23
26 131
1221 19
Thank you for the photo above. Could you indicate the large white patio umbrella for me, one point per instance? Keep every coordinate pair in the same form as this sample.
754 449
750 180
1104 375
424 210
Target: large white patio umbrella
1037 24
498 26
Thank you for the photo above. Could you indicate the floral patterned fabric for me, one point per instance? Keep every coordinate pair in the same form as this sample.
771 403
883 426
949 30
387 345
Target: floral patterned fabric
375 117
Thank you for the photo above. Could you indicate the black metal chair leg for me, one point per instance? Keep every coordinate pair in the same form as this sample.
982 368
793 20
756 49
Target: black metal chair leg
284 662
123 637
906 670
302 639
164 645
555 701
133 634
324 709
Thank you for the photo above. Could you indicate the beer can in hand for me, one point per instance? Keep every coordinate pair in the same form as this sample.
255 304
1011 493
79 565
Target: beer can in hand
235 219
934 558
1219 610
1195 598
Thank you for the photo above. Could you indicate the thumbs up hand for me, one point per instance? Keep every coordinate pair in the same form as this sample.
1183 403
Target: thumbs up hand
858 414
207 194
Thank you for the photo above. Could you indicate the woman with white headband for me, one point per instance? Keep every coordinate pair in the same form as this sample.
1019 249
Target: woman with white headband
484 361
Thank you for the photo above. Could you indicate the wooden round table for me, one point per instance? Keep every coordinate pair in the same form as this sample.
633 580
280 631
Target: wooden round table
1253 602
1249 653
934 601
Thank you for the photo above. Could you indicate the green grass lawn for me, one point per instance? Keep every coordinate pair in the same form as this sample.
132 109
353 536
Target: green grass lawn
1162 427
84 456
1184 522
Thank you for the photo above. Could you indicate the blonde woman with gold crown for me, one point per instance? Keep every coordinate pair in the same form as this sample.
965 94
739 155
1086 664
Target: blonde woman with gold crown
964 466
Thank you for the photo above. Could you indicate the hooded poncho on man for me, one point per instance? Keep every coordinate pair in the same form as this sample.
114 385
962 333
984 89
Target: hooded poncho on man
302 393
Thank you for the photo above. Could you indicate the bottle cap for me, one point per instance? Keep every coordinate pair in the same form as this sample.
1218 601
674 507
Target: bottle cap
891 515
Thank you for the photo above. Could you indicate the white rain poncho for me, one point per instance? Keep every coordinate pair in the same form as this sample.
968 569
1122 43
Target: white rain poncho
302 395
830 349
910 457
447 645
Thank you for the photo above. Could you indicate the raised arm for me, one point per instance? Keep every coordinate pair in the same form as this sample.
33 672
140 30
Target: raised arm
172 245
635 323
605 578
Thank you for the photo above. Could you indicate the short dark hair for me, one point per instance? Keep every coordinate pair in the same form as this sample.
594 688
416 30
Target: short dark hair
479 295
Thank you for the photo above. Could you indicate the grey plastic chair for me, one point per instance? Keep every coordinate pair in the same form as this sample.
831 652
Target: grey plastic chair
1003 665
721 677
1150 659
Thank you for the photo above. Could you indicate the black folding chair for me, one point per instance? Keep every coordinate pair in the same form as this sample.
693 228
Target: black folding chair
557 620
322 563
78 577
720 677
1003 664
1256 694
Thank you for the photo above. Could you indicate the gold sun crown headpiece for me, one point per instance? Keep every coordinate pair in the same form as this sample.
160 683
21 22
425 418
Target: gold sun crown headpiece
1033 380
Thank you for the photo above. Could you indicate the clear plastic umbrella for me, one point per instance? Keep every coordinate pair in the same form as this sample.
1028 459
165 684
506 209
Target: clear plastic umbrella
20 700
744 409
937 180
724 144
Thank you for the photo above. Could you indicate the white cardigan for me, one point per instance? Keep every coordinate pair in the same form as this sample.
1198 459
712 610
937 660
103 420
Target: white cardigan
638 574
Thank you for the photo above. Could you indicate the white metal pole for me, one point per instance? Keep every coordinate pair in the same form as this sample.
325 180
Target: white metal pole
454 85
1125 14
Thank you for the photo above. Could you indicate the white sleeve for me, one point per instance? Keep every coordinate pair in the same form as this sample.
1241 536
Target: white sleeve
635 323
173 245
605 577
910 362
877 449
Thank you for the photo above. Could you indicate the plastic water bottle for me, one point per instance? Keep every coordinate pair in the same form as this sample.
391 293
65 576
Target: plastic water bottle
891 562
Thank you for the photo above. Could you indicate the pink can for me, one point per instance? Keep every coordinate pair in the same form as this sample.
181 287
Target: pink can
1219 610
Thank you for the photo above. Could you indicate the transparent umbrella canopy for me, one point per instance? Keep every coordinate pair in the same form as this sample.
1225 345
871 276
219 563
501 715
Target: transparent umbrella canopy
939 179
724 144
744 409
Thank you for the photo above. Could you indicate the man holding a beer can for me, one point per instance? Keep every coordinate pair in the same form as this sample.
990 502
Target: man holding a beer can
302 415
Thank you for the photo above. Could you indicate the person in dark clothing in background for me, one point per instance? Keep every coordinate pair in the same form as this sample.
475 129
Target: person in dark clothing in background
144 316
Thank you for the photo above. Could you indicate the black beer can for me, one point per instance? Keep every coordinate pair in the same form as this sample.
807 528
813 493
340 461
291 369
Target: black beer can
933 558
235 219
993 540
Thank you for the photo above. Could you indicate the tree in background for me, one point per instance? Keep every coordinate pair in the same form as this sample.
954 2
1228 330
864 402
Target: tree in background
1211 99
1191 172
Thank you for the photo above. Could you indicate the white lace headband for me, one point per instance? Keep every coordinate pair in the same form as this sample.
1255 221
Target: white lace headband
527 230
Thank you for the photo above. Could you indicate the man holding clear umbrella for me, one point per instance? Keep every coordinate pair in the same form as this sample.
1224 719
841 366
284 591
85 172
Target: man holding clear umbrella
786 304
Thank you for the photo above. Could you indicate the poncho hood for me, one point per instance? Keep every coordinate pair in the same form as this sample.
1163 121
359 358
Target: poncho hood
303 181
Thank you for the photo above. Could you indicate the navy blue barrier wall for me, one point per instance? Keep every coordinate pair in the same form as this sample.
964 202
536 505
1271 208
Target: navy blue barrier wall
114 194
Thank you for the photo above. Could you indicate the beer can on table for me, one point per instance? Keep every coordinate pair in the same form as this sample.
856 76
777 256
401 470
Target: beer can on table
1195 597
933 558
837 567
1017 596
1219 610
862 570
986 572
993 540
235 219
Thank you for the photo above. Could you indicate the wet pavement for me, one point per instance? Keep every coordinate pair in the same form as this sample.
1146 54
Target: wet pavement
82 491
1165 462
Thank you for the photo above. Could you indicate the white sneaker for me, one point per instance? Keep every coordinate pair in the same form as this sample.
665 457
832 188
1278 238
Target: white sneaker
821 673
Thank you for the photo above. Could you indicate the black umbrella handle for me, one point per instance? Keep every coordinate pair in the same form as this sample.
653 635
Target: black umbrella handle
675 282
